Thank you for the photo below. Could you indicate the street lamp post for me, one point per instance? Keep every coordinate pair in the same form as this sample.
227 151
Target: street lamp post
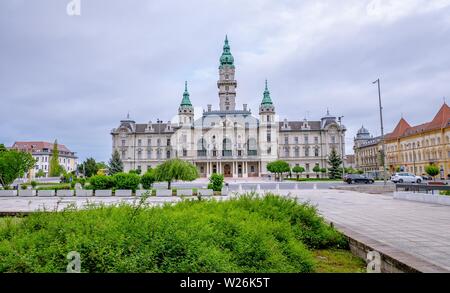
382 131
341 146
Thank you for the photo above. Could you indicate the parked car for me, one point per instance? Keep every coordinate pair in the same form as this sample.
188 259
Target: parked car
403 177
357 178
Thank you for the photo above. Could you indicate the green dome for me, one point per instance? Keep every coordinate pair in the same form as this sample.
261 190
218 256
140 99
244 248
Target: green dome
226 58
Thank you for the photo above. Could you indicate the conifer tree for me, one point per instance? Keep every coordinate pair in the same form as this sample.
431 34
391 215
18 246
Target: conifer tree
115 163
335 162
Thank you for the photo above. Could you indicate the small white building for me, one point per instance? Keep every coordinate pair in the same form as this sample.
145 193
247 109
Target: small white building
42 152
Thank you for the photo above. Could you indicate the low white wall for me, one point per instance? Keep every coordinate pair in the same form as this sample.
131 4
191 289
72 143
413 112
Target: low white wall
423 197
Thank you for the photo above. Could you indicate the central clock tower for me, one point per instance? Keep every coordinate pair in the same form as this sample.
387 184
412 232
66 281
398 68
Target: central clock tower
226 83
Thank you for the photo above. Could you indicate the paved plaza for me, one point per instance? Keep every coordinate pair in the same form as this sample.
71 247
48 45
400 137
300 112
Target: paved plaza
415 233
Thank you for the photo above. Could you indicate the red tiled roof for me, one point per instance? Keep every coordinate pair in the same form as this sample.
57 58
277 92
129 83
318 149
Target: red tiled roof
37 146
441 120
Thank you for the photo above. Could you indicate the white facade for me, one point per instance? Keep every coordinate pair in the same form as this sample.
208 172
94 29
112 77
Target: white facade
229 141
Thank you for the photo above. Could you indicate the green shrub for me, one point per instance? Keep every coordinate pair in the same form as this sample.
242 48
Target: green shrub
432 170
82 181
23 186
246 234
148 179
99 182
33 184
126 181
65 186
216 182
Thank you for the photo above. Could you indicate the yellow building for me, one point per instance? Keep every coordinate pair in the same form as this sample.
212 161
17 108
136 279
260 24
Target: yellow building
412 148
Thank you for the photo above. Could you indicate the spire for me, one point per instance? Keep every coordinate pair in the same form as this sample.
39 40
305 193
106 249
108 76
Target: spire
186 101
266 98
226 58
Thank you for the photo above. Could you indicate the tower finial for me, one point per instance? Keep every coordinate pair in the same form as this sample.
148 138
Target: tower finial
128 115
328 112
185 85
266 85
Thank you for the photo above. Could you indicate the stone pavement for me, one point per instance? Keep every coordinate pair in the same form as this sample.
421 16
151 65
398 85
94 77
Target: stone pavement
417 234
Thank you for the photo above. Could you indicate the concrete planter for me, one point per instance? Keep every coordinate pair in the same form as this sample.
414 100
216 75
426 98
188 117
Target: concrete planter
103 193
123 192
46 193
206 192
8 193
423 197
64 193
27 192
184 192
84 193
163 192
141 192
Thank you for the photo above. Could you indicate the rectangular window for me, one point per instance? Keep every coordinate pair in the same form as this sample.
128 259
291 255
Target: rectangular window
307 152
123 142
168 142
184 153
296 140
307 167
269 137
139 142
333 139
316 152
149 154
286 140
149 142
306 139
316 140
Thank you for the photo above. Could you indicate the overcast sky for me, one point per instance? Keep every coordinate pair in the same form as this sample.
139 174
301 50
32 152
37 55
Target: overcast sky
75 77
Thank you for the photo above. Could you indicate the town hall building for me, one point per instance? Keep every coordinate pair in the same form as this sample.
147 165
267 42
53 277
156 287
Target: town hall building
229 140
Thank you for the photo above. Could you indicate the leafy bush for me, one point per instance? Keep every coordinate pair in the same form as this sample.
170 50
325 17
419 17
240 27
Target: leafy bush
216 182
33 184
148 179
246 234
23 186
82 181
64 186
126 181
101 182
432 170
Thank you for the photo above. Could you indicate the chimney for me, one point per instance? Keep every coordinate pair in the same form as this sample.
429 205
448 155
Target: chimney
209 107
245 107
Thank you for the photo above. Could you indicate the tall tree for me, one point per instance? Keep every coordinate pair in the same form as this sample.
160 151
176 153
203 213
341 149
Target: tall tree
2 148
89 167
115 163
335 162
55 169
14 164
297 170
175 169
278 168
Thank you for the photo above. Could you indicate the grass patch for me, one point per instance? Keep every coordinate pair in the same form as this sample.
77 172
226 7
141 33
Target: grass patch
338 261
246 234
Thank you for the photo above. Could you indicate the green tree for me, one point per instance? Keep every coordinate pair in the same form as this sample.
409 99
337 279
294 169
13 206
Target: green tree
55 169
278 168
40 173
14 164
335 162
89 167
2 148
216 182
432 170
316 169
126 181
175 169
148 179
115 163
323 171
297 170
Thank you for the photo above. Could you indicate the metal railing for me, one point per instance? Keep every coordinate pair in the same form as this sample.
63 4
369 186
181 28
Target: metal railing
421 187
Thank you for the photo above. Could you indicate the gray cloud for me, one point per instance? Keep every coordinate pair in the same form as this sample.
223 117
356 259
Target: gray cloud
74 78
